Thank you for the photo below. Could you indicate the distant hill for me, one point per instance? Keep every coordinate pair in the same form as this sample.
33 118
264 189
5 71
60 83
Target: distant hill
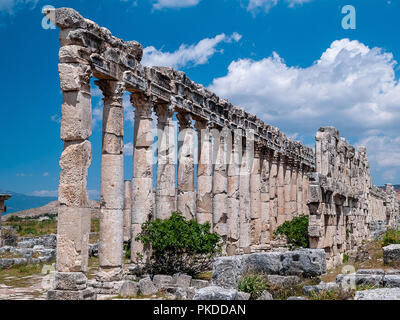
19 201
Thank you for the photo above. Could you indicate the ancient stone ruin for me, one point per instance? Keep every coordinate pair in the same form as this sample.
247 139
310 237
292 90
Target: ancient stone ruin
250 177
3 208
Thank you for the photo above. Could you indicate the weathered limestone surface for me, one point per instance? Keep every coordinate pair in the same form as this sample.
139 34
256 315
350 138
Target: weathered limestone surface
245 206
165 189
305 262
142 181
186 198
3 198
127 210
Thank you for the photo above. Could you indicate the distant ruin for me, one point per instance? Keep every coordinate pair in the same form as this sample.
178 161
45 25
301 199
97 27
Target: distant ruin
250 177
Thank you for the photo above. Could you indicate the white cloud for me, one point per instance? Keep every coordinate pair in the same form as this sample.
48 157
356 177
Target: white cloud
266 5
128 149
46 174
21 175
11 6
175 4
186 55
351 86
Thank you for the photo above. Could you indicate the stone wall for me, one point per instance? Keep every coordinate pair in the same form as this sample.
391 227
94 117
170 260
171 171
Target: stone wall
346 209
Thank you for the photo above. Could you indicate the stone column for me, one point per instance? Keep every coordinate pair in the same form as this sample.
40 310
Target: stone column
281 191
273 191
204 173
265 201
300 190
220 182
165 187
112 182
255 198
186 200
245 213
127 210
288 190
74 212
233 201
142 181
293 192
305 183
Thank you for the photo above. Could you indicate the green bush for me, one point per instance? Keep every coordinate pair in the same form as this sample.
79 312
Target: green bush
178 245
254 284
391 236
345 258
295 231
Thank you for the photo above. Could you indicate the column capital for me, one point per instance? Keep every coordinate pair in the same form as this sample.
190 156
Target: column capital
164 111
143 105
112 90
203 125
185 120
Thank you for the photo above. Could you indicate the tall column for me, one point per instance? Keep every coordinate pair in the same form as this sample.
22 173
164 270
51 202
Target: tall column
186 200
265 201
127 210
220 182
288 190
233 201
293 193
165 188
255 198
281 191
112 182
300 190
142 181
245 214
273 191
305 184
204 173
74 212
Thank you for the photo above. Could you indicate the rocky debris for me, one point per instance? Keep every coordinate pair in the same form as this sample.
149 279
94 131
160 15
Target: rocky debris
129 289
322 287
227 271
162 281
35 255
243 296
147 287
391 253
265 295
47 241
198 284
297 298
378 294
106 287
216 293
370 277
182 280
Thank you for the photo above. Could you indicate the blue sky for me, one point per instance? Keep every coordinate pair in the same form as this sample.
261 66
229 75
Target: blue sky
288 61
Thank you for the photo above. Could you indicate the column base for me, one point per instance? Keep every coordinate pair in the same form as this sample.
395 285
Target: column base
86 294
110 274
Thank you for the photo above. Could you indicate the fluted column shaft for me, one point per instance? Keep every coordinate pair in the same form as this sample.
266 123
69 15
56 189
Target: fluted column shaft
127 210
265 200
220 182
281 191
255 198
112 181
165 188
245 209
142 181
288 189
273 192
186 198
233 201
204 173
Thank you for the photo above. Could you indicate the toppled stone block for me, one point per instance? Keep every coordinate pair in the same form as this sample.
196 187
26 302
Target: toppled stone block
129 289
265 295
348 280
87 294
391 281
147 287
391 253
322 287
215 293
198 284
227 271
182 280
162 281
243 296
370 271
297 298
378 294
73 281
283 280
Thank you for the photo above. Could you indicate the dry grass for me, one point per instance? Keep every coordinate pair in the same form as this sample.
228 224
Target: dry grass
20 276
204 276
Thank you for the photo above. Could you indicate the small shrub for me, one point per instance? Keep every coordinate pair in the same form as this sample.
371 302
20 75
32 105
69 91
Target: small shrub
345 258
391 236
295 231
178 245
253 284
